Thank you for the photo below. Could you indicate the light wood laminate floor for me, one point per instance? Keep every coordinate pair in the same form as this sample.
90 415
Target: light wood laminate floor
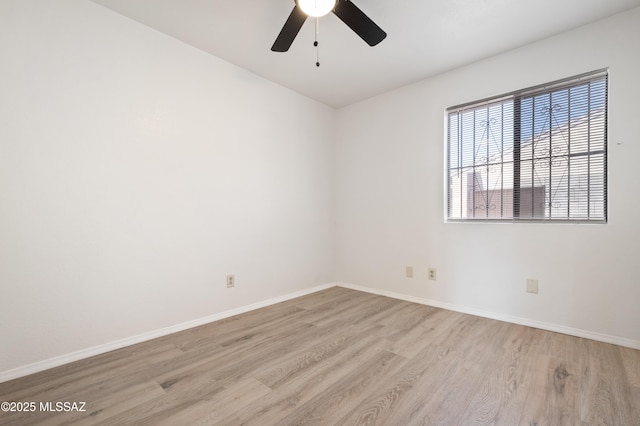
343 357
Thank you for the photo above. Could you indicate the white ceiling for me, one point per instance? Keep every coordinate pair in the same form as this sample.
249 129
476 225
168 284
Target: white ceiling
425 37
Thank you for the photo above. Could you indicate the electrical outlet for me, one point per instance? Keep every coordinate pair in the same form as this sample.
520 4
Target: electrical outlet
432 274
532 286
231 281
409 271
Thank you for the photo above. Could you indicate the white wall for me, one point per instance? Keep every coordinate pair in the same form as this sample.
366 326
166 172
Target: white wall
390 202
137 172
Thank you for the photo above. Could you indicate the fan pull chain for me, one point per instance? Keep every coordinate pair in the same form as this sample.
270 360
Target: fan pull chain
315 43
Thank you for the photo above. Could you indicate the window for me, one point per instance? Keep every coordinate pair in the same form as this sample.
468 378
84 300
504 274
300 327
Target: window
538 154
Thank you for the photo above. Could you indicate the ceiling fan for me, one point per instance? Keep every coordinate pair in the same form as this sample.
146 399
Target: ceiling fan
349 13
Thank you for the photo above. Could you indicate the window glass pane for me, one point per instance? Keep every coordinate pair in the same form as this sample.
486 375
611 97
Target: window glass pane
536 157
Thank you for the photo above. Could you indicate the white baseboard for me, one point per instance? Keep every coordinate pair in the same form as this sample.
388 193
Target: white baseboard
616 340
118 344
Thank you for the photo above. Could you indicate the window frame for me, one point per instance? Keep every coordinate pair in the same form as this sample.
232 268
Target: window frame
516 96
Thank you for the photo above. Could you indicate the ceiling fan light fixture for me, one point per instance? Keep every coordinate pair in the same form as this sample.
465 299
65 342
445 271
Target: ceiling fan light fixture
316 8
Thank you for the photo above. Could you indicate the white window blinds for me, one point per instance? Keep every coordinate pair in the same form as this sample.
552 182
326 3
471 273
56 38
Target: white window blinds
538 154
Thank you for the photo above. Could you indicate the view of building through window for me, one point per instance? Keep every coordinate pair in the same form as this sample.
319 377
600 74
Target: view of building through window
539 154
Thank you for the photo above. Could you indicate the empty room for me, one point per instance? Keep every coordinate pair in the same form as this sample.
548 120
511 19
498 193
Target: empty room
282 212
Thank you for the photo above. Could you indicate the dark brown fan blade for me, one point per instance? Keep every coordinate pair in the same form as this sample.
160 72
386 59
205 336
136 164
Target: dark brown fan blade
290 30
359 22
